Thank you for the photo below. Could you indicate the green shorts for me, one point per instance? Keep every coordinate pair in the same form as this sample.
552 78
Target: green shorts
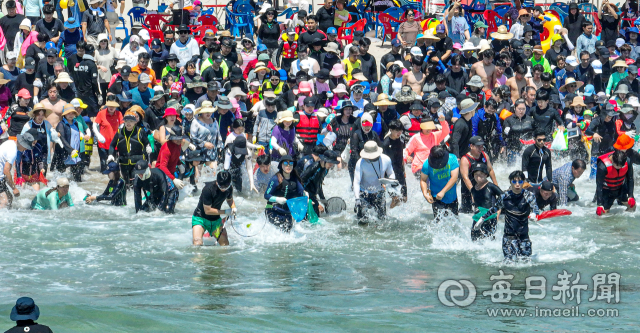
213 227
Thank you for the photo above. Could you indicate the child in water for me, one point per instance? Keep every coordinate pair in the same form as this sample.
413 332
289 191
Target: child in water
484 195
116 191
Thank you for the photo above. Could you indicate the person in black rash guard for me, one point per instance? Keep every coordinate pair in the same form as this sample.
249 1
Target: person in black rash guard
44 72
393 146
545 195
462 128
516 205
544 116
326 15
614 181
307 160
535 158
10 24
485 195
151 184
128 146
467 161
359 137
17 113
307 37
206 216
87 82
26 79
284 185
223 116
313 177
116 190
393 55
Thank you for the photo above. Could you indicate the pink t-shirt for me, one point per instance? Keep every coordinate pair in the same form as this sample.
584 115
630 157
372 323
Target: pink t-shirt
247 57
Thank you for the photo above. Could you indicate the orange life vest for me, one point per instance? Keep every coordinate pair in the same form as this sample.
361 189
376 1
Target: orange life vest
415 123
308 127
290 50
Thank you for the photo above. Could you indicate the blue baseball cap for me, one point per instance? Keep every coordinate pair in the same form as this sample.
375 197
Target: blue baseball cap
589 90
367 87
283 75
395 42
50 45
262 48
332 31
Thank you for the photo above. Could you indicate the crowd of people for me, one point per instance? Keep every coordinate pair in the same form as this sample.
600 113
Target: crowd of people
281 109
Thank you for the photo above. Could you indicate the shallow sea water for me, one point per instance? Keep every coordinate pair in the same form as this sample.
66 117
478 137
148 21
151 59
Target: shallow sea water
96 268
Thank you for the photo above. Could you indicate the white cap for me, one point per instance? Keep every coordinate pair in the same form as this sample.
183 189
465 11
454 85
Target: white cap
62 181
620 42
571 60
416 51
366 117
144 34
597 66
329 139
144 78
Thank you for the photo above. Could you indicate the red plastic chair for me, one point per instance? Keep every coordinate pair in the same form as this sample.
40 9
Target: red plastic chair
388 23
596 21
358 26
198 32
152 21
208 20
153 34
344 24
493 20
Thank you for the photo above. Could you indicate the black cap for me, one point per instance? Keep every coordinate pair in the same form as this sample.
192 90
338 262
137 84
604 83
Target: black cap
125 71
217 57
476 141
227 42
604 52
330 156
183 27
323 74
240 145
111 167
357 35
29 63
589 99
538 8
141 167
610 43
555 99
156 43
416 105
52 53
223 179
172 56
176 133
444 94
434 103
309 101
11 4
546 185
480 167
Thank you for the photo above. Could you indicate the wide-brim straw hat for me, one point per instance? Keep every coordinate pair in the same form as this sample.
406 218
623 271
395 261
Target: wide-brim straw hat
39 107
428 125
620 63
371 150
68 109
285 116
383 99
569 81
502 33
578 101
429 35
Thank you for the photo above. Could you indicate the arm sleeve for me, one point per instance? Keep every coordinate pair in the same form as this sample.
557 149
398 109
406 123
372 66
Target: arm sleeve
525 159
53 200
271 186
548 168
533 204
455 138
256 125
601 172
163 161
474 124
630 179
498 206
116 190
592 127
356 180
137 193
562 187
65 143
112 146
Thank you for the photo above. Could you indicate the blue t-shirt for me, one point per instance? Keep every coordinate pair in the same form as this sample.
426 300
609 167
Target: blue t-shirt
438 178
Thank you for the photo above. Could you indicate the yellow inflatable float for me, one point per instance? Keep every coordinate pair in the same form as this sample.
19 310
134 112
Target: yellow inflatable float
547 37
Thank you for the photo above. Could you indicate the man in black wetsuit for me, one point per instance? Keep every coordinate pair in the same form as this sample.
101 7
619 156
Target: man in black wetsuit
614 181
516 205
485 195
544 116
313 176
535 158
151 184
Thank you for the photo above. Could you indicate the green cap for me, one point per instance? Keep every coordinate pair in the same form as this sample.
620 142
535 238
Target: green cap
481 24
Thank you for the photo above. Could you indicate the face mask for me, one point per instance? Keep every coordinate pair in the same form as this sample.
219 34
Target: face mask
628 115
238 155
146 174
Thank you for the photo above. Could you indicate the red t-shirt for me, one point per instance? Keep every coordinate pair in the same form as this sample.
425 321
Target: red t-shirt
108 126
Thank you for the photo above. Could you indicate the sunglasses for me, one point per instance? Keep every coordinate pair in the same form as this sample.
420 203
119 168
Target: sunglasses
517 182
572 85
287 163
540 140
183 33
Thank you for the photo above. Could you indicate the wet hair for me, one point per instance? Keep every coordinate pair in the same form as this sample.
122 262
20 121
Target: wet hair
264 159
505 56
364 41
438 151
81 44
303 48
43 37
542 95
516 174
545 76
456 60
539 132
189 63
492 103
579 164
395 125
168 32
48 9
488 54
440 78
394 69
625 47
518 102
312 17
352 50
501 63
586 24
319 150
619 157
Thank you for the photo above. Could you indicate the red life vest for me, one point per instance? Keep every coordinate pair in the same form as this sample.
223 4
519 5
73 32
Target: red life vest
290 50
615 177
415 123
308 127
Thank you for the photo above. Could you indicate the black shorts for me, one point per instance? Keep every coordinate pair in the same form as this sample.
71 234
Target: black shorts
3 186
514 247
609 197
438 206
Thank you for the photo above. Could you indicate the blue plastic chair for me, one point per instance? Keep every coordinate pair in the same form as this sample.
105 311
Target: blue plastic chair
286 14
162 8
585 8
239 3
209 11
136 14
123 27
241 24
395 12
560 8
502 10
